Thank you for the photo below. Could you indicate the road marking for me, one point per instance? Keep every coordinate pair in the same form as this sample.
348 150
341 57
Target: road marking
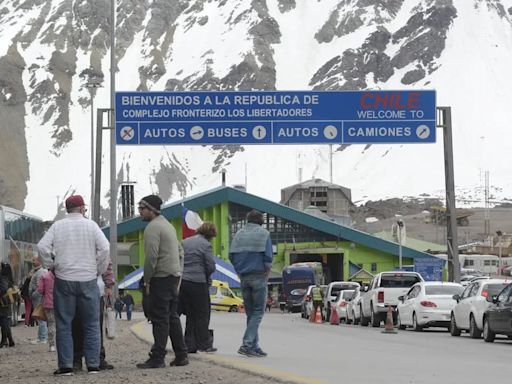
260 370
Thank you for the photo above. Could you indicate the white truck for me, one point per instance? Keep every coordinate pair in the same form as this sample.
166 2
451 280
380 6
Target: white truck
383 292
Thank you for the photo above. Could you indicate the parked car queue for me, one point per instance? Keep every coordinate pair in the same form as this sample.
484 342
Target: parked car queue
483 308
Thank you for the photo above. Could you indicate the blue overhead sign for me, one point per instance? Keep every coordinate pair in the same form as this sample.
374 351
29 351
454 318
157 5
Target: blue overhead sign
275 117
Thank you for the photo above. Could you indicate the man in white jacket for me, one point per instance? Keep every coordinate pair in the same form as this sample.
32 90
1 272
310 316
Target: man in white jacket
81 253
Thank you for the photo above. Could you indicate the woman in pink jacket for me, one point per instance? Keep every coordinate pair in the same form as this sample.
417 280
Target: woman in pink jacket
45 287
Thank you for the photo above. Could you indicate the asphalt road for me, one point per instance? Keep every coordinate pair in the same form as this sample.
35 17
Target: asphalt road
323 353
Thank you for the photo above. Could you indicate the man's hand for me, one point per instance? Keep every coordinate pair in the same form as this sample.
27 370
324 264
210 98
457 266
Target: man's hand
108 293
147 288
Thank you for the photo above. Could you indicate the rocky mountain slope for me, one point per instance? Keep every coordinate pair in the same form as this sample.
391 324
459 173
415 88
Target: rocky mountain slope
50 50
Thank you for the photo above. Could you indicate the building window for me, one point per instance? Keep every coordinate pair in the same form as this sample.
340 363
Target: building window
374 267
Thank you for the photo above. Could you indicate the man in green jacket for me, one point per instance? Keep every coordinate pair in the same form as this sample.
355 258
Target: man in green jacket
318 299
163 267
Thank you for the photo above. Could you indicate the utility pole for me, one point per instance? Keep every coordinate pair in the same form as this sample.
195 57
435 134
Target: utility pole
444 121
113 176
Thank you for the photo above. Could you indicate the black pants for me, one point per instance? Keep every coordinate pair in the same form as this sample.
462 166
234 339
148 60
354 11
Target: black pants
195 302
163 295
5 325
78 337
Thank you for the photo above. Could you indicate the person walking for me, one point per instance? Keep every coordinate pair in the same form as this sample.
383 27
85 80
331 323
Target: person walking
36 297
194 291
6 282
81 252
251 255
118 307
45 288
128 303
163 266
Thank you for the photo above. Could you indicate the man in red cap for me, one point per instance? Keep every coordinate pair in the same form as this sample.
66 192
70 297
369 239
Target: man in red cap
80 253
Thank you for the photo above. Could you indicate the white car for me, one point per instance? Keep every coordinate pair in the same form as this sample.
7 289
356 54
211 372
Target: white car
468 314
353 313
332 293
341 304
427 304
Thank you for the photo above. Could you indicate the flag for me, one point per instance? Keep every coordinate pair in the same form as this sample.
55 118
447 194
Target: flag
190 221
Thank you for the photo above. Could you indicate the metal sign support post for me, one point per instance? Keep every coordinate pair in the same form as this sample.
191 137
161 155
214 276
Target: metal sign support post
113 176
444 121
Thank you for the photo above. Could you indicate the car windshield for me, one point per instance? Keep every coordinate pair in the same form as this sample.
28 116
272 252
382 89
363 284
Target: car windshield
398 280
443 290
337 288
494 289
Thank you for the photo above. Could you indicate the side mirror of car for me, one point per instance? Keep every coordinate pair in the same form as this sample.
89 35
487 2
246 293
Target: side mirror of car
401 298
492 299
365 288
456 298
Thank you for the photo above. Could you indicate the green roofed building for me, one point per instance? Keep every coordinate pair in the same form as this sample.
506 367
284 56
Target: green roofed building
297 236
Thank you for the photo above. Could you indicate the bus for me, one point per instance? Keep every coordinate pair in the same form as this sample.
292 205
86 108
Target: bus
296 280
19 235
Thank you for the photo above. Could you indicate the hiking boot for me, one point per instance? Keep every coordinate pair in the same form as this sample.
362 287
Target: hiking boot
260 352
179 362
246 351
151 363
63 372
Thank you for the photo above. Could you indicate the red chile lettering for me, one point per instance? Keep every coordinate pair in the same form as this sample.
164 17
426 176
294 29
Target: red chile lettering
390 100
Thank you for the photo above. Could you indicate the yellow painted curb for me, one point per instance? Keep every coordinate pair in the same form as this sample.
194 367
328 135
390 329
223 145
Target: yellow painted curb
262 371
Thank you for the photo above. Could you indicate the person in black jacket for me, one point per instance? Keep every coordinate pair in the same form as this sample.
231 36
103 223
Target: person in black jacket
194 292
6 282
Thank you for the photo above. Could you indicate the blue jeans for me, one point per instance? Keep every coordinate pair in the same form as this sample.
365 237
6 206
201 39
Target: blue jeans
254 292
68 297
42 331
129 309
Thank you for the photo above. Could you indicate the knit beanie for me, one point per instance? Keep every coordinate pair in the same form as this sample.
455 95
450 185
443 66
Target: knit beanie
152 202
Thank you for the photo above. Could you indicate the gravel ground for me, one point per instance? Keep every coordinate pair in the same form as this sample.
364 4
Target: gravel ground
26 363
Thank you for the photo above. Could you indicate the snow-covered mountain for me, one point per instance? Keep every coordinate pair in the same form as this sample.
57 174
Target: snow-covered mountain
50 49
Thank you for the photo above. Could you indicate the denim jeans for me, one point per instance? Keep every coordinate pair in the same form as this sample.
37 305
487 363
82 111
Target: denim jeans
42 330
254 292
129 309
70 297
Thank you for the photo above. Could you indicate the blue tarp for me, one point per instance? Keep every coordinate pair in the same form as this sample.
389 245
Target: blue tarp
224 272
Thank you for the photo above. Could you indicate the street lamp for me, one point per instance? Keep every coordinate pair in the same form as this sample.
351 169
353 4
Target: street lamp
92 86
400 225
499 234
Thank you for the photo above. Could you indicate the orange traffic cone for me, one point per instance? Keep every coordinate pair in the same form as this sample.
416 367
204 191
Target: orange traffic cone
389 328
335 319
318 316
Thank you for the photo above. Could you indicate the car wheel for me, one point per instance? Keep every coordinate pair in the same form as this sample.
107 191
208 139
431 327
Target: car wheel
364 320
415 325
233 308
356 320
399 322
374 319
488 333
454 330
474 332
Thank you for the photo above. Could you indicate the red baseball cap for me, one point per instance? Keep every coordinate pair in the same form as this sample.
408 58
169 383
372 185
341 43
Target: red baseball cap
74 201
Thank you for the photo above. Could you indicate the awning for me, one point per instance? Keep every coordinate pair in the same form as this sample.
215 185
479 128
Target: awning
131 280
224 272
